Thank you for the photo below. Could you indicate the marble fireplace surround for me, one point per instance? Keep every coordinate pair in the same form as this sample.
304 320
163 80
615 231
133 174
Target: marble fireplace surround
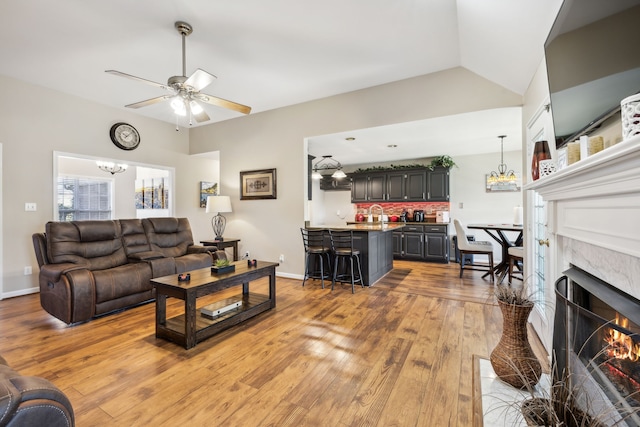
593 215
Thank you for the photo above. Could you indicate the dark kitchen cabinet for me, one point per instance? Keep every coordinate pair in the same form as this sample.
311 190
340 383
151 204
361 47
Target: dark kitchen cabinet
397 244
416 187
359 185
411 185
437 243
368 187
396 186
438 185
422 242
377 187
329 183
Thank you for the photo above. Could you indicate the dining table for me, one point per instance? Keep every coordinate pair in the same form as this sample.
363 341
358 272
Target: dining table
498 233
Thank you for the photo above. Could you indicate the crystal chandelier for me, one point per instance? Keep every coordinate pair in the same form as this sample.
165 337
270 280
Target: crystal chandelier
503 178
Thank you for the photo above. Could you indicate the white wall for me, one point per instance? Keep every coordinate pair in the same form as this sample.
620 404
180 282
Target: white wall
35 122
467 185
276 139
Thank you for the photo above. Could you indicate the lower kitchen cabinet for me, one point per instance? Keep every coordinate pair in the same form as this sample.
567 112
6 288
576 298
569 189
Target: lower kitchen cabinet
422 242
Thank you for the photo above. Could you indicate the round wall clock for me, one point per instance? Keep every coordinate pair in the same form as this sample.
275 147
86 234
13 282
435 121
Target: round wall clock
124 136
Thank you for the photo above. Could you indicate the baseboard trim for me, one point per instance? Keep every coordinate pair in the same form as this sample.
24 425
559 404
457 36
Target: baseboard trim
19 293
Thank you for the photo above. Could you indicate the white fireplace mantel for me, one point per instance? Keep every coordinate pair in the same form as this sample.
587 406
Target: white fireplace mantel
593 214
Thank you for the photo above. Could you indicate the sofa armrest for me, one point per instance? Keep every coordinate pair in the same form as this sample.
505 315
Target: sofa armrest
27 400
53 272
145 256
197 249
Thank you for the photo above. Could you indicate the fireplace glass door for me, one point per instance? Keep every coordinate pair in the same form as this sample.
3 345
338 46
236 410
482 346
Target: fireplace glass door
597 340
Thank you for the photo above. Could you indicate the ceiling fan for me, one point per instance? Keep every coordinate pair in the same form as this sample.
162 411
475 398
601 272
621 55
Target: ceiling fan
185 91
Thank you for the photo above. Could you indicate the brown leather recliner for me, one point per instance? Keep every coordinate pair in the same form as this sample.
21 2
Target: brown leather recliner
90 268
31 401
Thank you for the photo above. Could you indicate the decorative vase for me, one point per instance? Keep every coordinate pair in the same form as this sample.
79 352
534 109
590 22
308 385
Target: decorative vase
513 359
540 152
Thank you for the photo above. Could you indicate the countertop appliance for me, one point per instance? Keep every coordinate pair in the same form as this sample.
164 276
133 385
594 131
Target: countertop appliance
442 216
418 215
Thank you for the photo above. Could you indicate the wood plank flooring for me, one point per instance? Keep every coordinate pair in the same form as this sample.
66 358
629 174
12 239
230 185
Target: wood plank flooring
396 354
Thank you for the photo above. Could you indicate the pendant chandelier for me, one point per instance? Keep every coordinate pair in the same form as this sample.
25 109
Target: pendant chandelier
112 168
502 178
328 163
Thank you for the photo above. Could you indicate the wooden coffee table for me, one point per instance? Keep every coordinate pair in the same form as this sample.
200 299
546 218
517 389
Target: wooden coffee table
190 328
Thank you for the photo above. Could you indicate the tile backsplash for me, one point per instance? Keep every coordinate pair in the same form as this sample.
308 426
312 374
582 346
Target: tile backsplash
396 208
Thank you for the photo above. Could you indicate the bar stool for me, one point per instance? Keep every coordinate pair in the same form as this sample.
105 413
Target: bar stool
516 256
343 250
316 250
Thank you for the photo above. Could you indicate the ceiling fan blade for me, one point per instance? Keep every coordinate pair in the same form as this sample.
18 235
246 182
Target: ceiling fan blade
201 117
148 101
200 79
220 102
140 79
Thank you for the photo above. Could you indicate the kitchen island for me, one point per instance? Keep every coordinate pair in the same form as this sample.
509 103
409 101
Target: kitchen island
375 243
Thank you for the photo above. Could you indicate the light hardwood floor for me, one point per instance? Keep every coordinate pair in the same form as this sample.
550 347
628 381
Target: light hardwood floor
396 354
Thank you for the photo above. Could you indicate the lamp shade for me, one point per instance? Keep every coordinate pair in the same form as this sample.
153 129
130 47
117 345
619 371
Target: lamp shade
217 204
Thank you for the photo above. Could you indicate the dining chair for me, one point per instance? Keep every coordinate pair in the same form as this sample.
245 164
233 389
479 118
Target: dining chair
317 251
516 256
476 248
343 251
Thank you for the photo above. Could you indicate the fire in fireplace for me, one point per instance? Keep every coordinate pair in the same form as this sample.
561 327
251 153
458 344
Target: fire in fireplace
597 341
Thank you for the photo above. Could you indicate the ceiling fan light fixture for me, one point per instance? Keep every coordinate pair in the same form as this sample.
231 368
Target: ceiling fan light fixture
195 107
177 104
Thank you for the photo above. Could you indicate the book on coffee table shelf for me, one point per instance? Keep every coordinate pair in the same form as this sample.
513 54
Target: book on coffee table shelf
218 308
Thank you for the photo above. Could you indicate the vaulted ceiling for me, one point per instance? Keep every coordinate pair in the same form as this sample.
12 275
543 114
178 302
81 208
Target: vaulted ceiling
266 54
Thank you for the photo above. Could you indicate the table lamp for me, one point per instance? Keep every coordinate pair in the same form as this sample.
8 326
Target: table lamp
218 204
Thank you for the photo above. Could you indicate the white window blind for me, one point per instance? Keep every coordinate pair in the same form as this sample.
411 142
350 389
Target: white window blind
83 199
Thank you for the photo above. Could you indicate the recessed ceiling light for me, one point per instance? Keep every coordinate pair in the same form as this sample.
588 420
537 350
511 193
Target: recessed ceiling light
350 138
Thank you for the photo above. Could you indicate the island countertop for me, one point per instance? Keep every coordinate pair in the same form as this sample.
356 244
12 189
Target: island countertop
373 242
360 227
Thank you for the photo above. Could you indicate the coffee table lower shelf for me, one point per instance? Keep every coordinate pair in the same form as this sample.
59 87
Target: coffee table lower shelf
252 305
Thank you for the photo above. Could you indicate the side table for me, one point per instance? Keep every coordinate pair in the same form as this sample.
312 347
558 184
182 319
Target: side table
221 244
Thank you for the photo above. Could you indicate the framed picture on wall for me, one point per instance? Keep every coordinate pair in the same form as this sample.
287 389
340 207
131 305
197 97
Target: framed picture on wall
258 184
207 189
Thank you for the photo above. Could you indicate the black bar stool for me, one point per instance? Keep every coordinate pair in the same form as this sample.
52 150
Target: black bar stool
316 249
343 250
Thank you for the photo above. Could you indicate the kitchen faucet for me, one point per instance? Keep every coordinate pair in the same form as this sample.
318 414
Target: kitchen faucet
381 212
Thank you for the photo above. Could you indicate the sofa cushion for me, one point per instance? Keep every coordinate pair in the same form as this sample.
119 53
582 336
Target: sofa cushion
95 244
121 281
133 237
171 236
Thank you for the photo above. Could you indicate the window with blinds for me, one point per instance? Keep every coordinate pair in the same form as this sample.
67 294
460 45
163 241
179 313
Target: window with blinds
83 199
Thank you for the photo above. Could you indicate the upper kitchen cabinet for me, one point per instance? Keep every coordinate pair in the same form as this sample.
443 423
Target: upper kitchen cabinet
438 185
412 185
369 187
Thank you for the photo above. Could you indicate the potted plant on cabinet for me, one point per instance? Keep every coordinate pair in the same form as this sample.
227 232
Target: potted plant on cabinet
442 161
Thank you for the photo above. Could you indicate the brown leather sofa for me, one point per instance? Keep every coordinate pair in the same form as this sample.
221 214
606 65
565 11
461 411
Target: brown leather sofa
31 401
91 268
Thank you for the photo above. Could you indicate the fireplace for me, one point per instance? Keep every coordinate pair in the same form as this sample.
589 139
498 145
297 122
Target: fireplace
596 339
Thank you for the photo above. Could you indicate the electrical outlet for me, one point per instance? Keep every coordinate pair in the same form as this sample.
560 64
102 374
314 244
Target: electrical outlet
30 207
281 257
246 255
27 270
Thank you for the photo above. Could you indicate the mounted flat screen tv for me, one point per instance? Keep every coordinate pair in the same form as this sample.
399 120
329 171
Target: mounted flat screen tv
593 62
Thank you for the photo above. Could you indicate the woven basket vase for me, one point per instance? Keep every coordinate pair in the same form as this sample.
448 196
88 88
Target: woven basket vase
513 360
